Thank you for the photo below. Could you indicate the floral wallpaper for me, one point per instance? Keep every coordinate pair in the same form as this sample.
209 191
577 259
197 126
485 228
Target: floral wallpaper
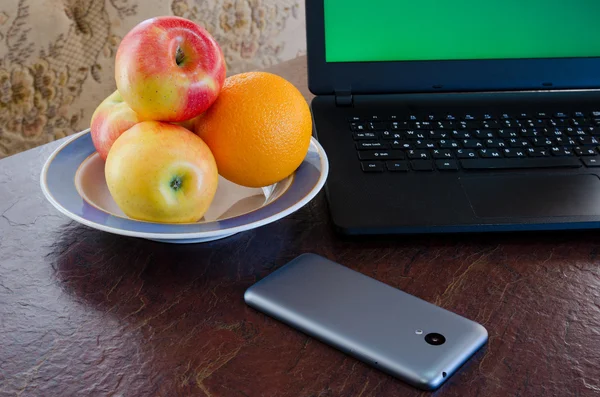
57 56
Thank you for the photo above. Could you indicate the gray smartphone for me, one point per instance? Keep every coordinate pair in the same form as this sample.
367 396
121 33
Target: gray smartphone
391 330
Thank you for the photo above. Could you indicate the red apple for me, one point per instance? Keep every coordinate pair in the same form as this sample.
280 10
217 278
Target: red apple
169 69
110 119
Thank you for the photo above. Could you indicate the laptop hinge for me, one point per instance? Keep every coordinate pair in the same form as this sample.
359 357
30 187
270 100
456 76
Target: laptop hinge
343 98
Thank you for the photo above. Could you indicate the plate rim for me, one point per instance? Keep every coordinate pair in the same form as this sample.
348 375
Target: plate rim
324 172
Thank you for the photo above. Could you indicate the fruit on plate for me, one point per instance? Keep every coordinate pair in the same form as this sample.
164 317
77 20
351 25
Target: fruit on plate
169 69
161 172
110 119
258 129
113 117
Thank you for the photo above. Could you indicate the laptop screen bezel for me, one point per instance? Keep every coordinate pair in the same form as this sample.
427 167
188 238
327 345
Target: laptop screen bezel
444 76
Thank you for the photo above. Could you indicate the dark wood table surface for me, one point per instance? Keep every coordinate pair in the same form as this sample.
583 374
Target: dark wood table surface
87 313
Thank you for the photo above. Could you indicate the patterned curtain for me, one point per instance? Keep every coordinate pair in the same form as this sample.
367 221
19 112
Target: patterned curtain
57 56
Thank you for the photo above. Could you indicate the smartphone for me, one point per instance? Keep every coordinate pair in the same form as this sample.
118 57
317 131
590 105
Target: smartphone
409 338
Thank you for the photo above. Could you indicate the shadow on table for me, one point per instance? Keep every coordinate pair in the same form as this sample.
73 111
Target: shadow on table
113 272
181 306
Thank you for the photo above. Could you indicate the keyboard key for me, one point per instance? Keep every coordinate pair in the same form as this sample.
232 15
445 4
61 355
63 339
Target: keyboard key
364 135
588 141
365 145
422 125
596 113
506 116
490 124
441 154
422 165
353 118
523 115
483 134
396 144
591 161
417 154
528 123
577 131
593 131
466 153
439 134
542 115
469 124
413 117
391 135
489 153
399 125
561 115
411 134
537 152
449 144
554 132
450 117
371 166
445 124
511 163
513 153
357 127
375 118
585 151
472 144
518 143
397 166
446 165
468 117
578 122
557 123
495 143
507 133
376 125
460 134
381 155
430 117
565 141
425 144
530 132
561 152
541 142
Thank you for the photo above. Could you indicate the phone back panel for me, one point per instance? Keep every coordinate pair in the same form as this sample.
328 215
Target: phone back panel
367 319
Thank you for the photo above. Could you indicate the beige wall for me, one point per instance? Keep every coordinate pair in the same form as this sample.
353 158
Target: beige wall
56 56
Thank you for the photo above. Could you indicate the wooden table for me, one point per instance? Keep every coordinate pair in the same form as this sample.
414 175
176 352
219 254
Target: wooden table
87 313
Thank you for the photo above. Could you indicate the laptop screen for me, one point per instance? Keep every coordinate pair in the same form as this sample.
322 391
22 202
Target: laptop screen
428 30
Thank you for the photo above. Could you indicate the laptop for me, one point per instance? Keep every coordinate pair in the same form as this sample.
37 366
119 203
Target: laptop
457 116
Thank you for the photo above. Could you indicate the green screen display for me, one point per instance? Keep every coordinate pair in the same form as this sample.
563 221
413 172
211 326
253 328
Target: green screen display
409 30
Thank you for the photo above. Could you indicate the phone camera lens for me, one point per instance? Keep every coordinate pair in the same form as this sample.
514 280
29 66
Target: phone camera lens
435 339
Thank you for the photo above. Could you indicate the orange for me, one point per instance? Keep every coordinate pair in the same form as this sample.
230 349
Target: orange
258 129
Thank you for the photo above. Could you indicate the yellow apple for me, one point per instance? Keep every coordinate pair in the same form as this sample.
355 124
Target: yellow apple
161 172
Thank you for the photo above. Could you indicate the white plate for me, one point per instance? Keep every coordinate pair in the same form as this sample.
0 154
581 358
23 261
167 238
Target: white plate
73 181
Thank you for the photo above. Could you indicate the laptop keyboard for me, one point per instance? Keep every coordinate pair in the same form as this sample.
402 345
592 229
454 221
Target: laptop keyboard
477 142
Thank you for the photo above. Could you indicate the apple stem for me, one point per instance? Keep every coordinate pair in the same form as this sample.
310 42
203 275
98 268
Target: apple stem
176 183
179 56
